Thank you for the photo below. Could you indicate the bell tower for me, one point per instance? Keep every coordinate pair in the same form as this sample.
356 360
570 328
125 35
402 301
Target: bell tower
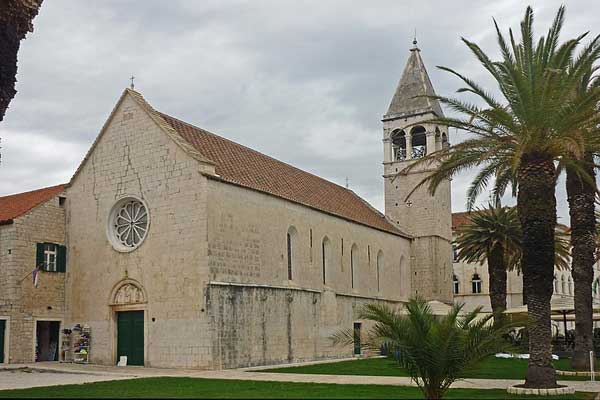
407 136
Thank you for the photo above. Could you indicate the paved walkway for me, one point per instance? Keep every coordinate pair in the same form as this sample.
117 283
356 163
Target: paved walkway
61 374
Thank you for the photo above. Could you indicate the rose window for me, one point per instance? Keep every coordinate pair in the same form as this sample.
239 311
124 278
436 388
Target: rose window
129 223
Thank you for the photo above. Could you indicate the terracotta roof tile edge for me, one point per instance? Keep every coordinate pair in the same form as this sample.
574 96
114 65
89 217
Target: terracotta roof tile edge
9 221
256 151
392 230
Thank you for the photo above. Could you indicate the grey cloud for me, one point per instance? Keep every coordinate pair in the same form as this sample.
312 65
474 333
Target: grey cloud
305 82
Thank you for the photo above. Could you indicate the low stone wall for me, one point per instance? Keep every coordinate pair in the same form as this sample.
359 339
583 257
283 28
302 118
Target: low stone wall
256 325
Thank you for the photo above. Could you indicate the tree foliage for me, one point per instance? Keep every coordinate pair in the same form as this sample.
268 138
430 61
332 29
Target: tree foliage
435 350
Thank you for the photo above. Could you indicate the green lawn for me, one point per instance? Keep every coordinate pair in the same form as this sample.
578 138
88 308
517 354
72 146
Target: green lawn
490 368
215 388
565 364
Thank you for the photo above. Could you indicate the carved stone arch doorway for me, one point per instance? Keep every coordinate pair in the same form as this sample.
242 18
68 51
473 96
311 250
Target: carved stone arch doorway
129 320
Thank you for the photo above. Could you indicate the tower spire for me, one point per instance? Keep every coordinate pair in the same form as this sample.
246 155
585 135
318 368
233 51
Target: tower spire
414 91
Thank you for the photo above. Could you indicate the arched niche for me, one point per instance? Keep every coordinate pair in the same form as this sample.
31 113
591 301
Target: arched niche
127 292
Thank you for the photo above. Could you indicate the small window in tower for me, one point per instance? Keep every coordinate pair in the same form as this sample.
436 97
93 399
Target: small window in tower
476 283
399 145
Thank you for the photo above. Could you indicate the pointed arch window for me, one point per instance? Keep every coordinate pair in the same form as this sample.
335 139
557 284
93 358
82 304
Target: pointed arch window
570 283
325 257
563 284
379 268
555 284
291 251
476 283
353 263
419 142
399 145
455 284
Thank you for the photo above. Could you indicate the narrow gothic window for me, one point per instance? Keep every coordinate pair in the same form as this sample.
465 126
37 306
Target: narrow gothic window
555 284
325 255
291 251
563 285
379 268
289 255
455 284
353 262
570 286
476 283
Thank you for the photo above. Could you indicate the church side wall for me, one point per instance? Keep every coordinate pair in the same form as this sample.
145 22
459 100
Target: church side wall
135 158
21 304
258 315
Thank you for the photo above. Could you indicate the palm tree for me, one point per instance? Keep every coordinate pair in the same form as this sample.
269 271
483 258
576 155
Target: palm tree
494 235
518 141
435 351
581 192
15 20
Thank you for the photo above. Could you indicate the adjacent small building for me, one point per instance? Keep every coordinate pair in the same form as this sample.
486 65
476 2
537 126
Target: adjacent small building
32 234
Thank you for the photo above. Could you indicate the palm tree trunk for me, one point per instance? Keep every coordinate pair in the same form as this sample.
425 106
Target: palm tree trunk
536 205
497 279
583 226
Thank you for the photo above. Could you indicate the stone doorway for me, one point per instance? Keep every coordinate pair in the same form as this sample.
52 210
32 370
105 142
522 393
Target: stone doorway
47 334
130 336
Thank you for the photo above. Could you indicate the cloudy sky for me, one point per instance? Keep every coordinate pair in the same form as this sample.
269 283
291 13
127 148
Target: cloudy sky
303 81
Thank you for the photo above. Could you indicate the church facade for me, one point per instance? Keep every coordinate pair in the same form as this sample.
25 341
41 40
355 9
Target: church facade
176 247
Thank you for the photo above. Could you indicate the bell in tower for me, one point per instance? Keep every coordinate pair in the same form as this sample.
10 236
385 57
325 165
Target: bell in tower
409 134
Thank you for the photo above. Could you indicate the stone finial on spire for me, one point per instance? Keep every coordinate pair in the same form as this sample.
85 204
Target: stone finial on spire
132 86
415 47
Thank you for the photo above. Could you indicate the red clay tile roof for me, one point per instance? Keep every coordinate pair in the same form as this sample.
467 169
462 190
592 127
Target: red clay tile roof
460 218
243 166
15 205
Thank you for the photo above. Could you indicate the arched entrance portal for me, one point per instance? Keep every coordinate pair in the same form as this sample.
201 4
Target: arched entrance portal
128 303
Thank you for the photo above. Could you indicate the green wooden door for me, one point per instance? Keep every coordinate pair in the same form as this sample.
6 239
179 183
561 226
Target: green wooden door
130 336
2 329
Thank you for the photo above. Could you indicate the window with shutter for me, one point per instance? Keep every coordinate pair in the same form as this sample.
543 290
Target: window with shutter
61 259
39 256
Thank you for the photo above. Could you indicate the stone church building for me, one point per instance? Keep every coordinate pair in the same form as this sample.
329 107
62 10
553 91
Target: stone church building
176 247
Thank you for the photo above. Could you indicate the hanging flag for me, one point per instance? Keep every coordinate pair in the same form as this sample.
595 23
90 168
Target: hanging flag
35 274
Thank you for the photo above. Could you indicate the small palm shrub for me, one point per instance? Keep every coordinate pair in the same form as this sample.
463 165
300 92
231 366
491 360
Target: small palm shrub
435 350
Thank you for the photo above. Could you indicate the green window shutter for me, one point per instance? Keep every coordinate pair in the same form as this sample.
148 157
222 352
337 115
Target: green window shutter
39 256
61 259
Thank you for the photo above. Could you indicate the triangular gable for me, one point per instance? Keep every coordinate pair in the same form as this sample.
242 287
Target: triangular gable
155 116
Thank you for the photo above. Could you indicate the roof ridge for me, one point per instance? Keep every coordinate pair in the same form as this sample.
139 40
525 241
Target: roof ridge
258 152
